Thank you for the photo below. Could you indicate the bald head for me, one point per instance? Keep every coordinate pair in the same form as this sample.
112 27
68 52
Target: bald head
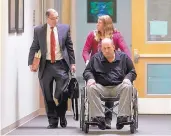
107 41
49 11
108 48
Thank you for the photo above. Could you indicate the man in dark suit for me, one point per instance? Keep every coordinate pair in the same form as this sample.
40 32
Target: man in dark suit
57 58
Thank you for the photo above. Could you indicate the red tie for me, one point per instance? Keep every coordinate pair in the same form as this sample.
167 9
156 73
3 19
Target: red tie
52 47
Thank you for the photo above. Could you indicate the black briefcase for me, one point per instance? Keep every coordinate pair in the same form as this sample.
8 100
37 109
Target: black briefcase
73 94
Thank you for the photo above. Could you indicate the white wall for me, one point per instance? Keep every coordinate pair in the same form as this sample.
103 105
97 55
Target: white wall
0 57
20 96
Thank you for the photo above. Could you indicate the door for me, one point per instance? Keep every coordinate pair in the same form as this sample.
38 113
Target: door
151 49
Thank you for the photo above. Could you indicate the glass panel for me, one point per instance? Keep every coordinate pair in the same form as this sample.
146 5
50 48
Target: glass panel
159 79
158 20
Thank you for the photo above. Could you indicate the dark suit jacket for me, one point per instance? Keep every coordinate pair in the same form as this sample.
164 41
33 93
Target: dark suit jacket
39 42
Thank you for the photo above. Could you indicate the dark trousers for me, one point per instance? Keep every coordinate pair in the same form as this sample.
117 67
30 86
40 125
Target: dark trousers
57 72
109 114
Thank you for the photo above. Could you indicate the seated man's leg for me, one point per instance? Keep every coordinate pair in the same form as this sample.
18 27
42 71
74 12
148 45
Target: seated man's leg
95 104
124 110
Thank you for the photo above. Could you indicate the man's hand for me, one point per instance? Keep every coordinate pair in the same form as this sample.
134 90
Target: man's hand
87 61
31 69
127 81
73 68
91 82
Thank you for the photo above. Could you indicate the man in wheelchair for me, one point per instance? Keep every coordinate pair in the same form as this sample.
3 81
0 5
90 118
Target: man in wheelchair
109 73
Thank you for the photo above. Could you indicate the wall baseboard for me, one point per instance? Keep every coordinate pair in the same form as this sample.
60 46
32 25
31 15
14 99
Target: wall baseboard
19 122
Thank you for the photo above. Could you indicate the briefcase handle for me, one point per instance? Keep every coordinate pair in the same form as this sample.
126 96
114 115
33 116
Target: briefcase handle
73 75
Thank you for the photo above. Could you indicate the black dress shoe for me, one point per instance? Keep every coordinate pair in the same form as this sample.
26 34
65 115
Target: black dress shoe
101 122
119 126
52 126
120 121
93 119
108 123
63 121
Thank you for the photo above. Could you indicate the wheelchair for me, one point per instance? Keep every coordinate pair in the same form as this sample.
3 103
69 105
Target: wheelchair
84 111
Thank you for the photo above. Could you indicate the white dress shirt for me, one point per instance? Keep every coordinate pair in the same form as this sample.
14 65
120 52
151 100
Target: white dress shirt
58 54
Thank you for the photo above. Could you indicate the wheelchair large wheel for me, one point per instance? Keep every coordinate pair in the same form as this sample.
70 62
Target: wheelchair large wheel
86 119
134 124
132 128
82 110
81 117
86 128
136 113
135 107
86 115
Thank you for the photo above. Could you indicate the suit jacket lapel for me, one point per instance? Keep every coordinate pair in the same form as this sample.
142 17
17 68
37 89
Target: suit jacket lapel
44 41
59 29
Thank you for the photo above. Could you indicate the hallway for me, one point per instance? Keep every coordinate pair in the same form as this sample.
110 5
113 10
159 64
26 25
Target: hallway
145 28
148 125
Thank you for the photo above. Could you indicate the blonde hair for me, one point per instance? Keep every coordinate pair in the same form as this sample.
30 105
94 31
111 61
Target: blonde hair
108 27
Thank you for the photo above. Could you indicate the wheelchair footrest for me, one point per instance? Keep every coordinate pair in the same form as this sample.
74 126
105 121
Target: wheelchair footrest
92 123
